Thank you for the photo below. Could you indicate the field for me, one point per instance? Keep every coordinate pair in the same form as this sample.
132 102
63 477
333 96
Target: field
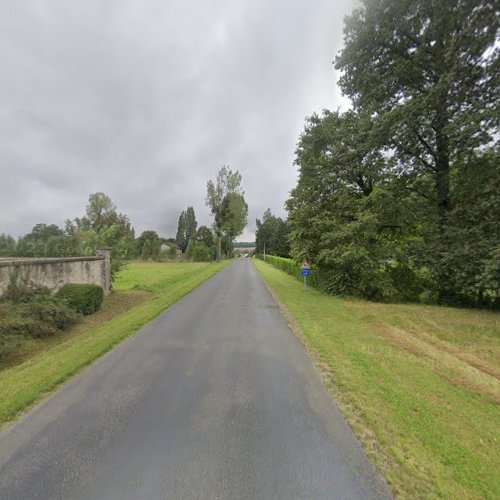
420 385
142 291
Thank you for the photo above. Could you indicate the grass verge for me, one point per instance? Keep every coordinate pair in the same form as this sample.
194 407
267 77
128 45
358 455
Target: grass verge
420 385
143 290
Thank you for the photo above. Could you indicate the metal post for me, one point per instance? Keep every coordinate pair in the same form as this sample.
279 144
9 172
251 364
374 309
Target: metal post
305 282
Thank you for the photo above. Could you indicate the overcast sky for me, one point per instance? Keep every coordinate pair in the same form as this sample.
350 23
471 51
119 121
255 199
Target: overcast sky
146 99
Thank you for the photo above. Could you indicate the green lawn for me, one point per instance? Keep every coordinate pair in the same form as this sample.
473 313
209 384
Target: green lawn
142 291
419 384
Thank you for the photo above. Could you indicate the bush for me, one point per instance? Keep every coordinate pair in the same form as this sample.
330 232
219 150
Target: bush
51 310
200 252
8 345
19 294
84 298
43 316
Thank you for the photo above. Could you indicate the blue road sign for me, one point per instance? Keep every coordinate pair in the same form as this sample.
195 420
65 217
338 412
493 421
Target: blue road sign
306 271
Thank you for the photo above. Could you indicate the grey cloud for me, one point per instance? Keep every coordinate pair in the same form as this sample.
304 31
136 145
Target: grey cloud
145 100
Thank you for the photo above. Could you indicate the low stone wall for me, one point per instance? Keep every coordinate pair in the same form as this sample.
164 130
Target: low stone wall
53 273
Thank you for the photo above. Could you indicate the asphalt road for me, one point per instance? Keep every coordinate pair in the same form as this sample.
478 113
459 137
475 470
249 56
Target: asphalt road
213 399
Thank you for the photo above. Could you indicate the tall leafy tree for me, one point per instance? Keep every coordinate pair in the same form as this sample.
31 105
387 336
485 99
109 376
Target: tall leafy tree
186 227
103 225
227 182
429 72
204 235
234 216
471 270
347 214
272 235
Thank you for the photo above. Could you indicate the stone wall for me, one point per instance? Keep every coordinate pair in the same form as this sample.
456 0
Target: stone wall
53 273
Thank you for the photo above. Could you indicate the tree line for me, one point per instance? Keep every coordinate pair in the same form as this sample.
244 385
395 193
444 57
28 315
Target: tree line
102 225
400 195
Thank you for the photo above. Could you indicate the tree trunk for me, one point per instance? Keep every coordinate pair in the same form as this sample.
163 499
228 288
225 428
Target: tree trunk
442 180
442 162
219 247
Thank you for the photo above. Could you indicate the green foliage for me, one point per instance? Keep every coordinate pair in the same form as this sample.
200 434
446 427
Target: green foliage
204 235
33 315
7 245
186 227
469 271
172 253
147 250
19 293
225 198
289 266
48 241
234 216
84 298
272 235
136 249
429 72
200 252
103 226
400 196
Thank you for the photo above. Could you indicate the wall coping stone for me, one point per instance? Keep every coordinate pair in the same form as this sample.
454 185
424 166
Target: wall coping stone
6 262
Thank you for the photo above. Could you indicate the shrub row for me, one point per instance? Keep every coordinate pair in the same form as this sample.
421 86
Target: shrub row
33 312
42 316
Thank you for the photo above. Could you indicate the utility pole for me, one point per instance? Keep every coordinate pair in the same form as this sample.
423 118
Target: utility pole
264 250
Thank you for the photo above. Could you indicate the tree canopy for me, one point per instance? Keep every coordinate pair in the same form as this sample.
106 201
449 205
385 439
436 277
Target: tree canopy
186 227
226 201
400 195
271 236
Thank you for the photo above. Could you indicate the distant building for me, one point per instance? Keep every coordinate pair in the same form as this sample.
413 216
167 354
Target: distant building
165 247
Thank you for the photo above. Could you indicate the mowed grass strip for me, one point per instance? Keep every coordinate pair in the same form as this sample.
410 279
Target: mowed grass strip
142 291
419 385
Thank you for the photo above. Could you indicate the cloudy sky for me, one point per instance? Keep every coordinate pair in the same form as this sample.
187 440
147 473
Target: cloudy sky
146 99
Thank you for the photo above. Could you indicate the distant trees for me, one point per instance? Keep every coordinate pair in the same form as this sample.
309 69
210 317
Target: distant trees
147 246
226 201
400 195
271 235
234 216
103 225
186 227
48 240
7 245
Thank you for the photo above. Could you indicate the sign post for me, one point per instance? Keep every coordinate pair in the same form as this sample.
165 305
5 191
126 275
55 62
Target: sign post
306 271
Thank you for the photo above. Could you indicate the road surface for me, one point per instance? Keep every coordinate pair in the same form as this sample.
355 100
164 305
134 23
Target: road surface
213 399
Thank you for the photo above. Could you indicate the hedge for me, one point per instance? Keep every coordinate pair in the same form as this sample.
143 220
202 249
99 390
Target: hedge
291 267
84 298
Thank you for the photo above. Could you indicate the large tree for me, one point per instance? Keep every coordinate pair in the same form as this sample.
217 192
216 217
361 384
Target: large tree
428 72
103 225
235 216
186 227
346 214
226 183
